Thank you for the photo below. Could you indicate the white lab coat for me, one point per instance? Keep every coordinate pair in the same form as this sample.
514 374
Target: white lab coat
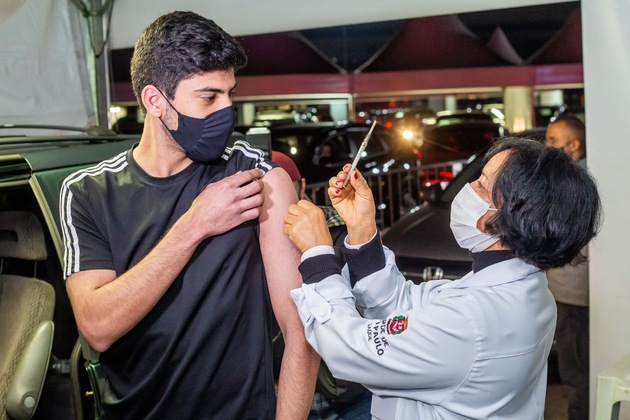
472 348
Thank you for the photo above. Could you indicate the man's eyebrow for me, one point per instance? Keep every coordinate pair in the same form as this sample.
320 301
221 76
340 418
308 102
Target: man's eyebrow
214 90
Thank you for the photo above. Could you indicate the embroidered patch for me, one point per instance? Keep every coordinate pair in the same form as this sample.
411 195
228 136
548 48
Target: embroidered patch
396 325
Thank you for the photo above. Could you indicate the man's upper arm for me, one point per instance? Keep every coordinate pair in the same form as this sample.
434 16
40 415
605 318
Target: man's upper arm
85 245
280 257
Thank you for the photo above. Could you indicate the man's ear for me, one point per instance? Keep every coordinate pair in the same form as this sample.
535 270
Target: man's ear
153 101
574 146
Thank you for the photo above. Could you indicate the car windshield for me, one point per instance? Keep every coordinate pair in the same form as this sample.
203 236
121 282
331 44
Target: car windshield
470 172
462 117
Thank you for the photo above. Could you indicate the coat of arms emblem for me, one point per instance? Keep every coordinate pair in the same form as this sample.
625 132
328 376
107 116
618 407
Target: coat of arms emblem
396 325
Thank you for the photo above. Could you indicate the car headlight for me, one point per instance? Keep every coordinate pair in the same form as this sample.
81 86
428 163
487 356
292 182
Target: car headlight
407 134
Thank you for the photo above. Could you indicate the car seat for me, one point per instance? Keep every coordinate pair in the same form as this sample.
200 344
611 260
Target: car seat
26 313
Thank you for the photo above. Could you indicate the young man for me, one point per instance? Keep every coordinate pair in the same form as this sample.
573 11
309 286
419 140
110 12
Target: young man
569 285
174 248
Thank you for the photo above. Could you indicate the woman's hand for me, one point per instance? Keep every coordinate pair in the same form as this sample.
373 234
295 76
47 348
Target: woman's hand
305 224
355 205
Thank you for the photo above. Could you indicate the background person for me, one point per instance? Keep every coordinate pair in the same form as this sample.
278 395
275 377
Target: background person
471 348
174 248
569 286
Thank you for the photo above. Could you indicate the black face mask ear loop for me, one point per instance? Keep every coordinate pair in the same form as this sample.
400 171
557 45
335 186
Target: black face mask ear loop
170 104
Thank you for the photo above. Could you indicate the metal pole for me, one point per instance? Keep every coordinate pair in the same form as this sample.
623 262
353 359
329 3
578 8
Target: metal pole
101 64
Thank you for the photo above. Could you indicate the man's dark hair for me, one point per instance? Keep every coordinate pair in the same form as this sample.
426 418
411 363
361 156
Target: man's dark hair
549 205
177 46
575 124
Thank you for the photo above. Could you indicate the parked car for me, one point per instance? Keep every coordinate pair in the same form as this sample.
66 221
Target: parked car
464 115
422 240
321 149
32 169
457 140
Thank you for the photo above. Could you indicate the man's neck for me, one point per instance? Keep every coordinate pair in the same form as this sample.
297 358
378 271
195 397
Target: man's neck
158 156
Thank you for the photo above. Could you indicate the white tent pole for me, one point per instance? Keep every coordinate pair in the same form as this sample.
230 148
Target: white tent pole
101 63
94 13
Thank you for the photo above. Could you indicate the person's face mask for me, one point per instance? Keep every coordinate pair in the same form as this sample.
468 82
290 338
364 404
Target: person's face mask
204 139
466 210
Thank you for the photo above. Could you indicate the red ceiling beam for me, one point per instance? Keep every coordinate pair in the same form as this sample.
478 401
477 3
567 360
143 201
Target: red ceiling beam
292 84
466 78
392 82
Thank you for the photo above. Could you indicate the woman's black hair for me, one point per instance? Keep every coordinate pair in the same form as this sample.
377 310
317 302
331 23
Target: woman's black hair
550 207
177 46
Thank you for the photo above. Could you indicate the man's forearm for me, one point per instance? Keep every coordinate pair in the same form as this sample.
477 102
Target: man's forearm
106 308
298 375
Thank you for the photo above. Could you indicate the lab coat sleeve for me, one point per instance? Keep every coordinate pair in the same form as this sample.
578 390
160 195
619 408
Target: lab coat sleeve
378 286
402 352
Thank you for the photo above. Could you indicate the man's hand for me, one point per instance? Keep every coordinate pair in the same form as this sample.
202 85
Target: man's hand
227 203
355 205
305 224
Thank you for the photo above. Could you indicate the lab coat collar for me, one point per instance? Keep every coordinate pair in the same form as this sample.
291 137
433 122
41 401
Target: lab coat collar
500 273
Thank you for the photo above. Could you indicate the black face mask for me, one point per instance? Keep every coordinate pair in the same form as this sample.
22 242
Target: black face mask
204 139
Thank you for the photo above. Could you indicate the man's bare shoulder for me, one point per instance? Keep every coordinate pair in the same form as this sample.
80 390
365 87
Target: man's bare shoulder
278 179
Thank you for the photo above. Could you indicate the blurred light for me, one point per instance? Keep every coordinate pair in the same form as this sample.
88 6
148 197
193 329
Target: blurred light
429 120
498 113
376 171
407 134
387 164
400 114
381 206
388 124
518 124
293 150
406 166
363 154
115 109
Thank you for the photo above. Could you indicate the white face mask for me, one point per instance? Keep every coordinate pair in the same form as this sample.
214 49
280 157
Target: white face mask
466 210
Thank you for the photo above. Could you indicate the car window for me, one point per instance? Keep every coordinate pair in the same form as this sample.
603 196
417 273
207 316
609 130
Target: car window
334 150
465 138
460 118
376 146
470 172
296 145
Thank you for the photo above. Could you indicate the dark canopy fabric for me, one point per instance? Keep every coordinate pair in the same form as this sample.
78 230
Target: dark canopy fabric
565 46
501 45
283 53
268 54
434 43
416 44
